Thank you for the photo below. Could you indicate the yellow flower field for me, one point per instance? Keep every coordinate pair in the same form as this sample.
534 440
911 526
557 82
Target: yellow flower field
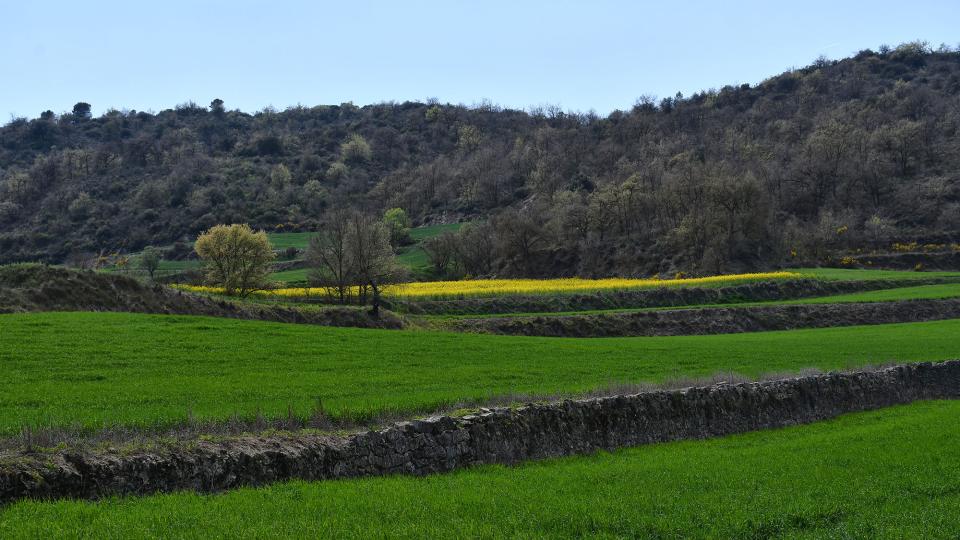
498 287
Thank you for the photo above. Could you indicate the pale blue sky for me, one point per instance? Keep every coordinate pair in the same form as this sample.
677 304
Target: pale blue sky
585 55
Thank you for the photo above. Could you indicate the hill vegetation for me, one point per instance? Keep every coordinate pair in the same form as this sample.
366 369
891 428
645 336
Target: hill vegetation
833 156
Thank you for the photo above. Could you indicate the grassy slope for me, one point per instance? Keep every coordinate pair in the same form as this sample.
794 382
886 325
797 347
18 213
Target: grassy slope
107 368
852 274
920 292
414 257
299 240
893 473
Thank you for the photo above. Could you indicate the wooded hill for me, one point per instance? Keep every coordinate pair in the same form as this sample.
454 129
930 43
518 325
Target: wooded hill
838 155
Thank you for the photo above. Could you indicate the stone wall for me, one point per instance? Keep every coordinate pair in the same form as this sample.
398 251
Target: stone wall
502 435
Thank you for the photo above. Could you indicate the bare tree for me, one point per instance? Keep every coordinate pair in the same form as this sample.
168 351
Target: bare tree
372 259
150 261
441 251
329 257
475 248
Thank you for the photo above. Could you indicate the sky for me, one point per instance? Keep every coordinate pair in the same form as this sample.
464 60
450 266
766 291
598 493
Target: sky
589 55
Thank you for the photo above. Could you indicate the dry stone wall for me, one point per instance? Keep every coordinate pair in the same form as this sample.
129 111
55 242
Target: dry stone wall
502 435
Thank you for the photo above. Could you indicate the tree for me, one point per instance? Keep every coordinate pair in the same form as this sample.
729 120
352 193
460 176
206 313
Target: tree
475 248
398 223
150 260
235 257
372 259
82 111
329 257
216 107
441 251
280 177
355 149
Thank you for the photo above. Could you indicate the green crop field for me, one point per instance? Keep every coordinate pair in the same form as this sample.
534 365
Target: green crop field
920 292
852 274
893 473
96 369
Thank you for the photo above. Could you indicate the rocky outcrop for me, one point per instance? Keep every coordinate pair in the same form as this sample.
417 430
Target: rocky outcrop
502 435
716 320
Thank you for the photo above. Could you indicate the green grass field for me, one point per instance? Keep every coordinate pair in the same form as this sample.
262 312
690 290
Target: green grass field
297 275
95 369
418 234
299 240
852 274
893 473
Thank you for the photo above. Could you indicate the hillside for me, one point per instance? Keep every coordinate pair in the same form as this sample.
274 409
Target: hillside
838 155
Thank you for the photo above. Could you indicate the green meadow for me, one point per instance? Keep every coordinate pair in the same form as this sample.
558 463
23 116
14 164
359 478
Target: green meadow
91 370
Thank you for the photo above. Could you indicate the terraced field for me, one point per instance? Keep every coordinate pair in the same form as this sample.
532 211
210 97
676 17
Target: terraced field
127 378
838 274
893 473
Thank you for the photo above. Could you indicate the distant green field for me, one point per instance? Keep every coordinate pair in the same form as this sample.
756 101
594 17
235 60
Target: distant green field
96 369
299 240
892 473
851 274
422 233
414 257
166 267
920 292
297 275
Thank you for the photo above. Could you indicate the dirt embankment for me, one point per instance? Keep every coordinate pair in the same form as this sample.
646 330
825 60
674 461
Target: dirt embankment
34 287
719 320
659 297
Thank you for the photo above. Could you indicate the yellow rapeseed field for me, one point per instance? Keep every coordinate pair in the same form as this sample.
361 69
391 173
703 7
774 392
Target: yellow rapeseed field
500 287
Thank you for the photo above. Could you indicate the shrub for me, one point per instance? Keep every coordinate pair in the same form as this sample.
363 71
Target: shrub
235 257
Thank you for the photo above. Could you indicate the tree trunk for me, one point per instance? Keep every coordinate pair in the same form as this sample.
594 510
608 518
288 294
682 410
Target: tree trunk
375 304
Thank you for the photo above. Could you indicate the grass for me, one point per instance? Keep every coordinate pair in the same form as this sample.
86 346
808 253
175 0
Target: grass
852 274
165 267
418 234
299 240
297 275
919 292
414 257
893 473
93 370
